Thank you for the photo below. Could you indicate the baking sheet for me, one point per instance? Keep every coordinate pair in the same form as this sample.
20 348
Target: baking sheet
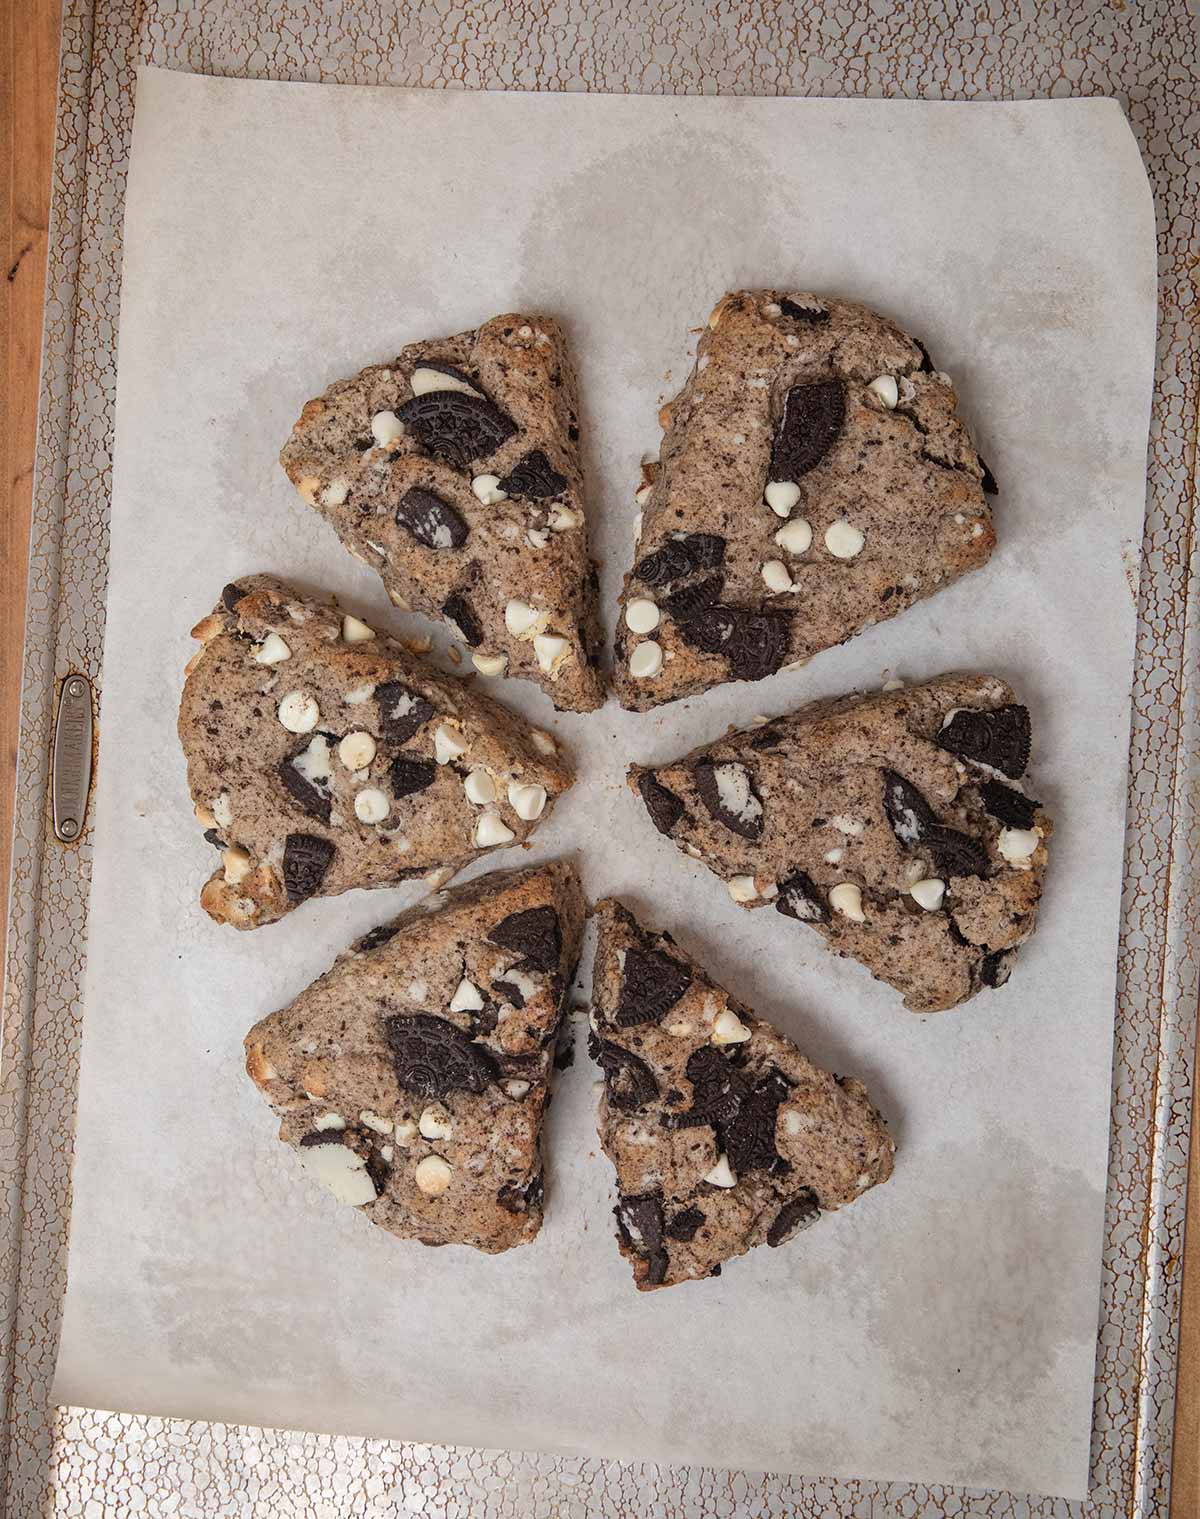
277 236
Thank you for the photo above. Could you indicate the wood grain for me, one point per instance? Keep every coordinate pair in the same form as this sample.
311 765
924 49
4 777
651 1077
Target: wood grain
28 67
28 80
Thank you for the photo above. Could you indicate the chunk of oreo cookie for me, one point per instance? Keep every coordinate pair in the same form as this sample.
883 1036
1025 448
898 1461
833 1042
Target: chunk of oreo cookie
750 1138
998 738
800 898
997 967
679 557
312 797
230 597
988 482
955 853
683 1225
456 427
754 643
651 985
430 520
640 1227
799 313
533 933
690 599
718 1091
509 993
800 1213
727 791
908 812
402 713
462 614
515 1197
306 858
628 1081
534 477
664 807
813 416
433 1056
409 775
384 934
1012 808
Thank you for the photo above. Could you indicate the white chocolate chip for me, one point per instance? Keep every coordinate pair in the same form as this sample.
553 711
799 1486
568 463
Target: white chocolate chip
742 888
272 651
359 694
641 615
795 536
834 856
386 427
846 898
537 537
237 865
467 998
928 893
843 540
564 518
550 651
329 1121
886 389
299 713
491 830
356 751
222 810
448 744
721 1174
480 788
387 1154
341 1170
728 1028
772 309
354 631
642 495
432 1176
522 620
528 802
892 685
646 660
371 805
406 1132
490 664
335 492
424 380
847 825
775 576
434 1123
487 489
517 1089
1018 845
373 1121
915 870
781 496
542 742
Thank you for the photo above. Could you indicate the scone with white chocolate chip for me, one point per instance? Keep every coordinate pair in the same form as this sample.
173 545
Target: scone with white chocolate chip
723 1135
454 472
894 824
815 478
322 756
413 1076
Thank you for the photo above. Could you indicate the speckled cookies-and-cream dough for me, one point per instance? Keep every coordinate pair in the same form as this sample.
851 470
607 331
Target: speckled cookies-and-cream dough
815 478
413 1077
454 472
322 756
894 824
722 1134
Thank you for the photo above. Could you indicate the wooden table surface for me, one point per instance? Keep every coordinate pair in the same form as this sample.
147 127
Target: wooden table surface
28 76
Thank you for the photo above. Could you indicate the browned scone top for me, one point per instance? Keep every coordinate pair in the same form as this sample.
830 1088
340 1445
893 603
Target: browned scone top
454 472
413 1076
894 824
322 756
814 479
722 1134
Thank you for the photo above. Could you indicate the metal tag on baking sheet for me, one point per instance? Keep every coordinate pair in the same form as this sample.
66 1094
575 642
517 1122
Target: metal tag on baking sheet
71 771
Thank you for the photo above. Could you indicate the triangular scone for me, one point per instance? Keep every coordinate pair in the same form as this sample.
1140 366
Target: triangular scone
814 479
722 1134
893 824
412 1078
322 756
453 471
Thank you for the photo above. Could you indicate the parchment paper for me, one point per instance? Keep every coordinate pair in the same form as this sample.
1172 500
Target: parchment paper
278 236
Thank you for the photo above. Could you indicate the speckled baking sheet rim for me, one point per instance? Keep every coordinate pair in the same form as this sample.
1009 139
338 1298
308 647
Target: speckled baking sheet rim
78 1461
